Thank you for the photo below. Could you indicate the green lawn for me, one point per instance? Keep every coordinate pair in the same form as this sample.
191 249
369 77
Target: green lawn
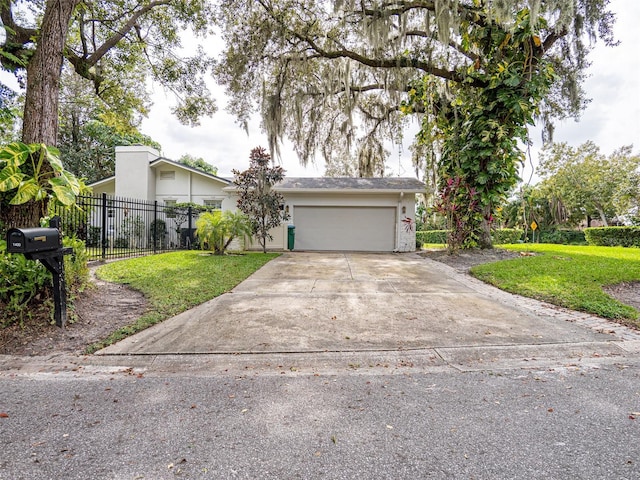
177 281
569 276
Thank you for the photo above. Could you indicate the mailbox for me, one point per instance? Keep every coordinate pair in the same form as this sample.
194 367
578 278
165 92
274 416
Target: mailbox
45 245
33 240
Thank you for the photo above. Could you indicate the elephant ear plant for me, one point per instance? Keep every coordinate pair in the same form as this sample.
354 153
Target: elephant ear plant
216 230
33 173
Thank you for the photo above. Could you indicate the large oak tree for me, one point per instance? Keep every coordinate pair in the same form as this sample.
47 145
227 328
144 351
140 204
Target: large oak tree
105 42
340 78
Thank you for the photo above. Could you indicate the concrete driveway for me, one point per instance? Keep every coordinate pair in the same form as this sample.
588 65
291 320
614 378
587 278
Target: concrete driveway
340 302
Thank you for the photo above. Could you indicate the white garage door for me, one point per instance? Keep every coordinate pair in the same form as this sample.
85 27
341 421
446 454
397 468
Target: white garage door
345 228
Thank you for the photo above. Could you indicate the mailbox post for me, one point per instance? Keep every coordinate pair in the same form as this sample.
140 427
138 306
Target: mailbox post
45 244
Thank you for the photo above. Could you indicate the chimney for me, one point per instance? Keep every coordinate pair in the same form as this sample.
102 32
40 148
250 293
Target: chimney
134 177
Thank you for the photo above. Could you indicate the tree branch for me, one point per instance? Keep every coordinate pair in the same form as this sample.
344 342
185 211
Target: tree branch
16 40
83 64
15 33
385 63
400 62
120 34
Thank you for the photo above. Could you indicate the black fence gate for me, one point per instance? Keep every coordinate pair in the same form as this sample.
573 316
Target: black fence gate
113 227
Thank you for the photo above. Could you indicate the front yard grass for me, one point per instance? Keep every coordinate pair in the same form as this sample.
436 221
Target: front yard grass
177 281
569 276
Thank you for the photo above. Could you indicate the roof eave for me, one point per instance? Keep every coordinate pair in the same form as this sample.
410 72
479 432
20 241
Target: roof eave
349 190
156 161
98 183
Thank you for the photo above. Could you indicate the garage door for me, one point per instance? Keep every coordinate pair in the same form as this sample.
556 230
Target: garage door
345 228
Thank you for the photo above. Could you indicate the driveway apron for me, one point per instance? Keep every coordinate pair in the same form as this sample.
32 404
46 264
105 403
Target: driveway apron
339 302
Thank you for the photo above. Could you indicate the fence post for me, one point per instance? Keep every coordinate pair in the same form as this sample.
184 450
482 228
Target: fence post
103 229
155 225
189 226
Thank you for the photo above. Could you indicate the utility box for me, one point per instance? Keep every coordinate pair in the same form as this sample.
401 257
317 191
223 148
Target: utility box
291 236
33 240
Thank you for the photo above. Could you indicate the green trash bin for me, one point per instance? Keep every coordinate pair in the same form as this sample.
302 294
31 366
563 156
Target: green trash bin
291 236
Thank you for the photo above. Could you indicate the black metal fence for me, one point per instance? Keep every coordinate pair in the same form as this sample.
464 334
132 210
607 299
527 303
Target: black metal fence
113 227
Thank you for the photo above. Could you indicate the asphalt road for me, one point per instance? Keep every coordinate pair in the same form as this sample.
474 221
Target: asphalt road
356 368
280 421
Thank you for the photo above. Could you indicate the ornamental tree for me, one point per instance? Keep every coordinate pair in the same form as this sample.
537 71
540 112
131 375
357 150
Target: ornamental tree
216 230
257 198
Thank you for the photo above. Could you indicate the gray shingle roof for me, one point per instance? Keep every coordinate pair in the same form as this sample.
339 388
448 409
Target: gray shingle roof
342 183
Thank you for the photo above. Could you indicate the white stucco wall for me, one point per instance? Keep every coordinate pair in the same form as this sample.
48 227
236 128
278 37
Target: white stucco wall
404 203
405 224
134 178
406 241
187 186
108 187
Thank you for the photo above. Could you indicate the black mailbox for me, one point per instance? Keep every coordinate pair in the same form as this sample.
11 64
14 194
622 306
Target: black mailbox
33 240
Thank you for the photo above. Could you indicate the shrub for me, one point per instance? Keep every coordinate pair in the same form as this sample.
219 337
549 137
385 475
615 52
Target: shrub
121 242
563 237
216 230
94 236
23 280
613 236
431 236
506 235
158 232
27 285
76 269
499 236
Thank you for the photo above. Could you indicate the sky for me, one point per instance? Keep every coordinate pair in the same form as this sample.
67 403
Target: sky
611 120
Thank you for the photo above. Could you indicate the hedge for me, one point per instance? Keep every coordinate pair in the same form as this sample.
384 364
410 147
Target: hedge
501 236
613 236
563 237
506 235
431 236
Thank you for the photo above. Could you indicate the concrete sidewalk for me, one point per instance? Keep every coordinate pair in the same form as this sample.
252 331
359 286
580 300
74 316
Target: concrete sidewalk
356 302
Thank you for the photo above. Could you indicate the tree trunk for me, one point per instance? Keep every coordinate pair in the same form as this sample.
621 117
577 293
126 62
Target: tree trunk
484 235
603 217
484 230
40 122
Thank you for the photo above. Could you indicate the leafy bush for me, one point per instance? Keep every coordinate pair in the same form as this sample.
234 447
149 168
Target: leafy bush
216 230
23 281
27 285
121 242
563 237
500 236
506 235
158 232
431 236
613 236
94 236
76 269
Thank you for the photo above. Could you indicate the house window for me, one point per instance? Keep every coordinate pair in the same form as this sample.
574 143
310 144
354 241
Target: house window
170 209
167 175
213 204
